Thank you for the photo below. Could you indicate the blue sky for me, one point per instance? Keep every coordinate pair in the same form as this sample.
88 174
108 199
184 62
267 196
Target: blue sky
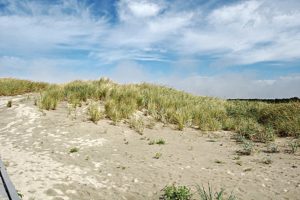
228 49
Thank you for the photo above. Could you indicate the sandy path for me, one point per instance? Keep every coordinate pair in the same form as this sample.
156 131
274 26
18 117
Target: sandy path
114 162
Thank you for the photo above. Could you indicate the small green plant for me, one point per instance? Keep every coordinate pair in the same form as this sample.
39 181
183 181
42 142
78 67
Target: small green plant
294 146
176 193
157 155
20 194
211 195
9 104
160 142
94 113
74 150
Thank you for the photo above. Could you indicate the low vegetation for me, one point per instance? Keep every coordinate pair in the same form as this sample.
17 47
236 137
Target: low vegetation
73 150
294 145
209 194
159 142
253 120
11 87
174 192
9 104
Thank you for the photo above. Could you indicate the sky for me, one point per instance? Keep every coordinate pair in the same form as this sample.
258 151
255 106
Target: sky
226 49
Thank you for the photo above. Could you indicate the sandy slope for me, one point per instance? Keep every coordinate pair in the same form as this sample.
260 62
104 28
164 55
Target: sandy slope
114 162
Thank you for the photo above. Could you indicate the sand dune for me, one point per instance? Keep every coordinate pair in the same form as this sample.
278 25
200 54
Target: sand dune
115 162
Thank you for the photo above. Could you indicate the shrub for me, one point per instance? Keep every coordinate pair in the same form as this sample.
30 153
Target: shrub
176 193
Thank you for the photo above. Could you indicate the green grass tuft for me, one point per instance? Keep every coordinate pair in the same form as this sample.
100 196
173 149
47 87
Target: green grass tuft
73 150
209 194
9 104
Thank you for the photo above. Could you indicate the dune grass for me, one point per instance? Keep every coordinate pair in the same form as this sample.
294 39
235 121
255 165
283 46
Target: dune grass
11 87
256 121
94 113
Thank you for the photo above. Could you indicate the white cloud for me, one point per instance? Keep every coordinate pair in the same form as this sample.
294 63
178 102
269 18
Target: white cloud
131 9
140 9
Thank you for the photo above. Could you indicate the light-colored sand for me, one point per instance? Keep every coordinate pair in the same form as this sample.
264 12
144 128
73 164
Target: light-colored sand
114 162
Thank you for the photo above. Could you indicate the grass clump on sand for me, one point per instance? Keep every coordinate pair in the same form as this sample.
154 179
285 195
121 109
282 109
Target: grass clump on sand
209 194
159 142
294 145
50 98
94 113
73 150
11 87
9 104
254 120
